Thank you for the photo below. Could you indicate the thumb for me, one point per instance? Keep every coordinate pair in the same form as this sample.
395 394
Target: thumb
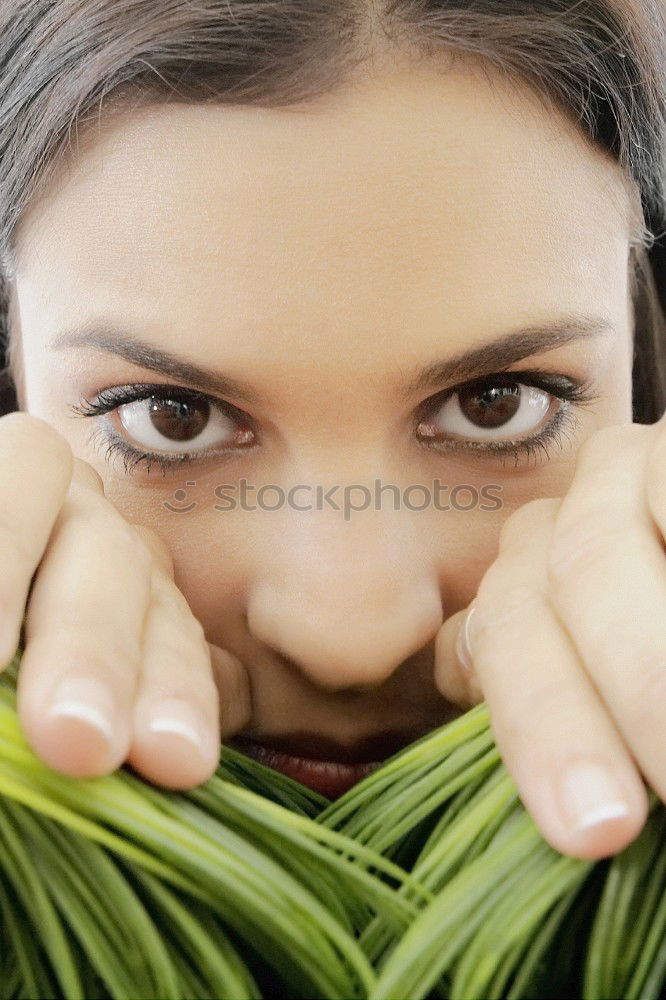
233 684
455 676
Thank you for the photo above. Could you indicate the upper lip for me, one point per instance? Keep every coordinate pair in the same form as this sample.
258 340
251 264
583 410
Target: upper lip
315 746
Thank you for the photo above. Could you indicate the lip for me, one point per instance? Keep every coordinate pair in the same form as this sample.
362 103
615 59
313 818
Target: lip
366 749
330 778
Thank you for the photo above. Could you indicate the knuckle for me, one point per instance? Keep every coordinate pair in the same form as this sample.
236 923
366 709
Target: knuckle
116 655
525 519
647 692
145 560
172 602
503 610
36 434
536 709
142 557
155 544
118 537
34 428
588 542
87 476
116 531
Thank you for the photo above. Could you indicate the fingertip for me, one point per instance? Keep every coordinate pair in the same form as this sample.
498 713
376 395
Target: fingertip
608 836
591 815
77 746
171 762
74 726
174 744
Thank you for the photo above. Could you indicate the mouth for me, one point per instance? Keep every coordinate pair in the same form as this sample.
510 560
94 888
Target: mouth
329 778
329 769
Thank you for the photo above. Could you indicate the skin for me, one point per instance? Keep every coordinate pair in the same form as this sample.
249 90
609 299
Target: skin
321 255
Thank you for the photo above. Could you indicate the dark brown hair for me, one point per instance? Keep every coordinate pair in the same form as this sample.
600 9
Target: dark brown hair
603 62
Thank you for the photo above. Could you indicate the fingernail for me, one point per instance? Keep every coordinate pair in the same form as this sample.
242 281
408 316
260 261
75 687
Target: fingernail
176 716
87 699
591 796
463 647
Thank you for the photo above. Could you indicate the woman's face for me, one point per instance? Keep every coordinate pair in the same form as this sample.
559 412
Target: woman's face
318 273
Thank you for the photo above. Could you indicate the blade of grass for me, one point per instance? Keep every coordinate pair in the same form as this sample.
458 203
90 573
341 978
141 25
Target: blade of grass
21 872
194 934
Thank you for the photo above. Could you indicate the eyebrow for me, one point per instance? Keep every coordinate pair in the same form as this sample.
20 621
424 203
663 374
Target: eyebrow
484 360
144 355
507 350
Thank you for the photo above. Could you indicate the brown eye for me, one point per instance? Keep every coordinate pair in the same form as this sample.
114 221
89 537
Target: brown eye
166 424
179 420
491 407
478 413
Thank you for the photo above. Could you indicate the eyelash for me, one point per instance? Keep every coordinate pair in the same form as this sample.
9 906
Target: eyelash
571 392
110 399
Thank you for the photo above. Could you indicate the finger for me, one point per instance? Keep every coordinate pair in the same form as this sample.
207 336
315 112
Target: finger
656 477
83 630
158 548
454 675
38 463
608 558
229 675
176 731
233 684
572 769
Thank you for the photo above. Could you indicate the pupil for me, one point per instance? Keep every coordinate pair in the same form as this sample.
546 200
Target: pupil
179 420
490 407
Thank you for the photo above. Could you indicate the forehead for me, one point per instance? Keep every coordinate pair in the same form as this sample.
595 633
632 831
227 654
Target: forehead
406 184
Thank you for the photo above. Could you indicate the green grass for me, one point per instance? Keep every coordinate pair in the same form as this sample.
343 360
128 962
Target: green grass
426 880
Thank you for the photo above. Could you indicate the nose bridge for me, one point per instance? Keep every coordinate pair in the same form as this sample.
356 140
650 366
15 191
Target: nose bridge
347 601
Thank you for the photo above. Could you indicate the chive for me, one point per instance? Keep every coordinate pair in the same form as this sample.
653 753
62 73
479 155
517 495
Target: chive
31 976
622 941
427 880
198 939
19 869
81 879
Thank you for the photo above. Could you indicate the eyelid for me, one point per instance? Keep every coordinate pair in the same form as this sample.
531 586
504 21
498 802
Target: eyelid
113 397
570 390
558 385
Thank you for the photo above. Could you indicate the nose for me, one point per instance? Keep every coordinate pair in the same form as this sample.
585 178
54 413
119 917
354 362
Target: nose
345 608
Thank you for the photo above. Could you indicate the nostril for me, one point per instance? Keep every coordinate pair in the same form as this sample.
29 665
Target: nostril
344 640
287 661
294 666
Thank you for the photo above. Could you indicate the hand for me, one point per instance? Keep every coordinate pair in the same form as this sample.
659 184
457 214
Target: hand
115 667
567 638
